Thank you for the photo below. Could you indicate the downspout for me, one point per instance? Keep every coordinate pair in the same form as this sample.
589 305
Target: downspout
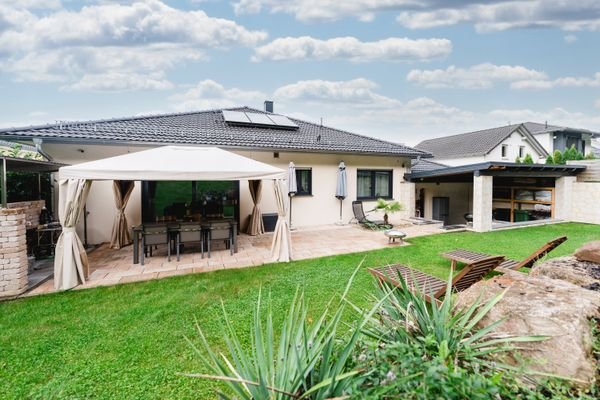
38 147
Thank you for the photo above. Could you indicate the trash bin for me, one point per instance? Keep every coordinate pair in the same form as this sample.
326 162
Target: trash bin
521 215
269 221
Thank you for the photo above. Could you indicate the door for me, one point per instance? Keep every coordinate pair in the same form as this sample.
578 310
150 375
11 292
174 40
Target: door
441 209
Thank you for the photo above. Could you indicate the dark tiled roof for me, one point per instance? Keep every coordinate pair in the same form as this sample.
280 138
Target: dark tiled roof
208 128
536 128
467 144
420 165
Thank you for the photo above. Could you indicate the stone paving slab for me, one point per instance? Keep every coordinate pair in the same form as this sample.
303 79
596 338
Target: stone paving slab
110 267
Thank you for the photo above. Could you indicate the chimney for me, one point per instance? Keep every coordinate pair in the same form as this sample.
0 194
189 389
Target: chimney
268 106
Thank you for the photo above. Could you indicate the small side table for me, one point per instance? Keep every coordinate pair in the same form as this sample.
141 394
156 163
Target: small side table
393 234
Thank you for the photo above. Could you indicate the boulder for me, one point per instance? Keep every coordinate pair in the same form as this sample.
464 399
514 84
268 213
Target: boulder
539 305
581 273
589 252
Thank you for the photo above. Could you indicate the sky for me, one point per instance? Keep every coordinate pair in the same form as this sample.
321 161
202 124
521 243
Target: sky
400 70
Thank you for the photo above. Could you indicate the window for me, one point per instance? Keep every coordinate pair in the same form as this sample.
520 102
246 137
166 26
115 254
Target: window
374 184
521 151
304 181
504 151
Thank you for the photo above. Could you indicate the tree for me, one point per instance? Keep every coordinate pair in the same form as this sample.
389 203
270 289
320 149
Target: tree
549 159
528 159
518 160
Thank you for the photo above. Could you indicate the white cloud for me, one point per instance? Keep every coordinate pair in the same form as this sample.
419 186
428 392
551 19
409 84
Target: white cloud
565 82
209 94
353 92
143 39
486 15
570 38
117 81
350 48
360 106
508 14
479 76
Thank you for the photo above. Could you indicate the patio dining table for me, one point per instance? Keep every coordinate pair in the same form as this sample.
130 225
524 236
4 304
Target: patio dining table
173 227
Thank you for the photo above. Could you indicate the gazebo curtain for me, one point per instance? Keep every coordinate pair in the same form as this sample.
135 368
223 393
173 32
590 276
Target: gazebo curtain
120 233
281 248
70 261
255 225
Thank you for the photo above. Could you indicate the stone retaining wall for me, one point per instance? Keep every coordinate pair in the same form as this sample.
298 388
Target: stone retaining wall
32 211
13 252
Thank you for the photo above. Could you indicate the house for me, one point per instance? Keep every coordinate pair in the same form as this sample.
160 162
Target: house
375 168
482 185
503 144
554 137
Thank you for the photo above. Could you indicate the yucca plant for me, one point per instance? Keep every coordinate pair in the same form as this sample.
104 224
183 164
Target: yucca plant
308 360
442 329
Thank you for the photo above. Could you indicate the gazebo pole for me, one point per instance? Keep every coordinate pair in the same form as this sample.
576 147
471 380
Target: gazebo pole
3 183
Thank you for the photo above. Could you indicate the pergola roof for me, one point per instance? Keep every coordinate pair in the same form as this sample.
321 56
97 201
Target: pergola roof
29 165
465 173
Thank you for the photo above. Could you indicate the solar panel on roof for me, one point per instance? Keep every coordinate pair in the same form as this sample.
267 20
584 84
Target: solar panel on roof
260 119
235 117
280 120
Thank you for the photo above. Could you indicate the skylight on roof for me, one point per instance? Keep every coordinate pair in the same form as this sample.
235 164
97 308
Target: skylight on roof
258 119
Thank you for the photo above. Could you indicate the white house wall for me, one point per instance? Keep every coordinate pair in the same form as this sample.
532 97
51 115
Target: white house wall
454 162
321 208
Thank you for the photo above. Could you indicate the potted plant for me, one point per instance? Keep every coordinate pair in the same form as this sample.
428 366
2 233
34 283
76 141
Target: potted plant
387 207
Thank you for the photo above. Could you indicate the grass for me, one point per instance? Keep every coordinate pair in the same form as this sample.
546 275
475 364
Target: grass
127 341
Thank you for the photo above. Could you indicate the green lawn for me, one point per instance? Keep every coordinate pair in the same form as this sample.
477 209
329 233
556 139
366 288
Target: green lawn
128 341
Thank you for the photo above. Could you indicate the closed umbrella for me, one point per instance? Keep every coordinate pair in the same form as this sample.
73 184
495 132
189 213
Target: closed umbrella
292 186
341 190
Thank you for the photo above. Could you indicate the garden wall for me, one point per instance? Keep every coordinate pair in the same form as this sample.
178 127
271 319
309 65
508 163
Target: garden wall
32 211
13 252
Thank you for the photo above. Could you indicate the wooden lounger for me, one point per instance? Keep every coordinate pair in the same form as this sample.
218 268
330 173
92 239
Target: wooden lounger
430 286
467 256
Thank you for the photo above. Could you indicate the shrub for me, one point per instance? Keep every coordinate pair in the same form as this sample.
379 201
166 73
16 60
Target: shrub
528 159
306 361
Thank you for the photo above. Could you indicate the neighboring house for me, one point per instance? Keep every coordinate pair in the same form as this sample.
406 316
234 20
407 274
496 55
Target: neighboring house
375 168
504 144
554 137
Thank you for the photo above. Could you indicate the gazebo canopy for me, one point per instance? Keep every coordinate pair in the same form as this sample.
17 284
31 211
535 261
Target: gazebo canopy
169 163
173 163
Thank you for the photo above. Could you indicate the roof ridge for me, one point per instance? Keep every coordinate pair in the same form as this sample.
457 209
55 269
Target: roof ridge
469 133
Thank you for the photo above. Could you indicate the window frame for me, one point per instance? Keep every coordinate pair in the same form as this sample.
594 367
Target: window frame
373 173
504 151
310 181
521 151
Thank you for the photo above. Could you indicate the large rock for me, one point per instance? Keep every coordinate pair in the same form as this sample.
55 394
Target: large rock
538 305
589 252
581 273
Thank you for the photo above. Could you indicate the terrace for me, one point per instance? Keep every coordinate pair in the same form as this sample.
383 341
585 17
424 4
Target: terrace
110 267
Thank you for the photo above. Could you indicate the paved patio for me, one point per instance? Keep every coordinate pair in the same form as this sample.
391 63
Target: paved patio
111 267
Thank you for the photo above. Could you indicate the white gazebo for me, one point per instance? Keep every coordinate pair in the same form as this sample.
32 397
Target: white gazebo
168 163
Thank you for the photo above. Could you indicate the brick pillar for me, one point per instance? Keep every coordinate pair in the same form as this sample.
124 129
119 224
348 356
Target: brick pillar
13 252
482 203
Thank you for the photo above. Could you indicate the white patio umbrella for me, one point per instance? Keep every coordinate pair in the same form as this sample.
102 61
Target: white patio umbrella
292 185
341 190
